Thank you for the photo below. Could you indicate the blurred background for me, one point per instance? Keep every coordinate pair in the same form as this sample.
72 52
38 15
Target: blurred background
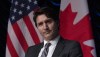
94 8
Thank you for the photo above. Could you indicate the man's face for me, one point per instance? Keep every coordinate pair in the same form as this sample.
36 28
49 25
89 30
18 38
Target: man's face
47 27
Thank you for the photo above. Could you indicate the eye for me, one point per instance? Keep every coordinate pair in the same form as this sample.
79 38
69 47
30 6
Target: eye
40 24
49 21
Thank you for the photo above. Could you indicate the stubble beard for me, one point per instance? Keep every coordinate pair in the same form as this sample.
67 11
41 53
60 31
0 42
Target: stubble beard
51 35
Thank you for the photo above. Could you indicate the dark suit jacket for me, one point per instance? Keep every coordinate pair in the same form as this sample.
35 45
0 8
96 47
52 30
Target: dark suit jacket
64 48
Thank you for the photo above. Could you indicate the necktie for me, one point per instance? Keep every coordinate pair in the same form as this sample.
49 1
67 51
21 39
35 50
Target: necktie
46 49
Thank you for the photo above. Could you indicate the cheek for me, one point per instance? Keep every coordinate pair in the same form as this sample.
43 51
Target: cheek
52 26
40 29
55 27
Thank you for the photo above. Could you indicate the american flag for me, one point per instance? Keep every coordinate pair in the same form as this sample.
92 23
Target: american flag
22 32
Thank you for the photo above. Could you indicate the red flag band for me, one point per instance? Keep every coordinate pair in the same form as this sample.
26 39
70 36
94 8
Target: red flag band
75 25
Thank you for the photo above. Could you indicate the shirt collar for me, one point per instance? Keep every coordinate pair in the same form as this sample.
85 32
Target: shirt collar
53 42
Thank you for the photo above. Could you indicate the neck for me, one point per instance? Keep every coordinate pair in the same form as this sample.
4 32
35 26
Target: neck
49 39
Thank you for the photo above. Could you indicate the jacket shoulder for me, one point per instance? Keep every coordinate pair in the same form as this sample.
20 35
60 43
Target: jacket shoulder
35 46
73 48
71 42
33 50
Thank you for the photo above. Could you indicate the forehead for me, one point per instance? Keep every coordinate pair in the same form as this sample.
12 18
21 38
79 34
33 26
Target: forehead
42 18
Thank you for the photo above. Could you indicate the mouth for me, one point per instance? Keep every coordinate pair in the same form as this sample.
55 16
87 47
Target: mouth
47 32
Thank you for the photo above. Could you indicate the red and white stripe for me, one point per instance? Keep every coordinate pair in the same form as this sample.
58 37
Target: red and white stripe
21 35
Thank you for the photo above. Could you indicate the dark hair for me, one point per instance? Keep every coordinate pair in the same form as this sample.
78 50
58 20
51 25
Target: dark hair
49 12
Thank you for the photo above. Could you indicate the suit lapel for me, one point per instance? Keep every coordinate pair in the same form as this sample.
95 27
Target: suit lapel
38 50
59 48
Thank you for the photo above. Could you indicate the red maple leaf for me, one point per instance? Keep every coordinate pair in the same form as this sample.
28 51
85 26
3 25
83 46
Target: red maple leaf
80 32
66 19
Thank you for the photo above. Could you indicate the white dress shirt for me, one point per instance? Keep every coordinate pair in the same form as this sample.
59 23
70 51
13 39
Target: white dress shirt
51 48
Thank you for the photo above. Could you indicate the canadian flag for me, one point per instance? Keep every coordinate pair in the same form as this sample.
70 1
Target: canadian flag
75 25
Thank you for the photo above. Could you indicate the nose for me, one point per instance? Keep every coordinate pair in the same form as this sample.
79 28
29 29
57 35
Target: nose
45 26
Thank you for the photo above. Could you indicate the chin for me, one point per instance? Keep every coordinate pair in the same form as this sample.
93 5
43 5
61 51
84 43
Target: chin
48 37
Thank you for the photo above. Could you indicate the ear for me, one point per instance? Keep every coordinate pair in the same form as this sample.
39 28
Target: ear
57 23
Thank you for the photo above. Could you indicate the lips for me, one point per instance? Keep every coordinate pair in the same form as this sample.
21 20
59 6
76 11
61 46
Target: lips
47 32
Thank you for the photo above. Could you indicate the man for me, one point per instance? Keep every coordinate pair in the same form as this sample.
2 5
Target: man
46 21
